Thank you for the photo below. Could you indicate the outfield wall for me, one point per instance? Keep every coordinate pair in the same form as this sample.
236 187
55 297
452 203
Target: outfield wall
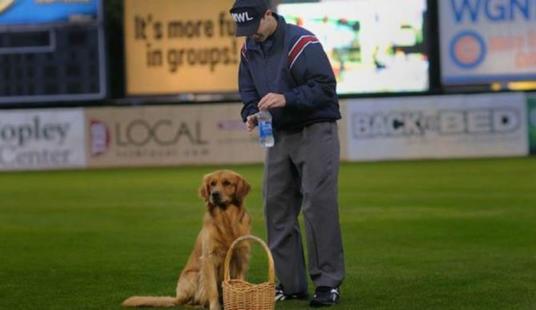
455 126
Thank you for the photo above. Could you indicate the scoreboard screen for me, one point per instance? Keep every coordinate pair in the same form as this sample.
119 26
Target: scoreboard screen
54 54
374 46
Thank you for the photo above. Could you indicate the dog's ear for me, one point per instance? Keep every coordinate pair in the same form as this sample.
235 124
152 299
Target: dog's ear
204 189
242 188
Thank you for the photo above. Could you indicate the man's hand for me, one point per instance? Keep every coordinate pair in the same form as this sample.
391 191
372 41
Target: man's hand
272 100
251 122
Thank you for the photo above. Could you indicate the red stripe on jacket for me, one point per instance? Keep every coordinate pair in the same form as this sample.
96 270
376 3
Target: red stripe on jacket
299 46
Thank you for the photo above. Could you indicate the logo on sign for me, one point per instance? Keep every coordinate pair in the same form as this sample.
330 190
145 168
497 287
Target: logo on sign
467 49
141 133
492 121
100 137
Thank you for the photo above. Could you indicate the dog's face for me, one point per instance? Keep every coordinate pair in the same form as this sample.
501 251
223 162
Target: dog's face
223 187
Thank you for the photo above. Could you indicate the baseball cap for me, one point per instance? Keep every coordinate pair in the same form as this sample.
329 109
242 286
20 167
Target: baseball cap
247 15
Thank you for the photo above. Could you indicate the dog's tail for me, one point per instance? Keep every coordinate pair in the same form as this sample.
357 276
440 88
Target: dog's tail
150 301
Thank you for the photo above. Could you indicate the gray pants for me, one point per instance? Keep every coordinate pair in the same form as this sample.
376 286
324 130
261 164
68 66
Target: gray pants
300 173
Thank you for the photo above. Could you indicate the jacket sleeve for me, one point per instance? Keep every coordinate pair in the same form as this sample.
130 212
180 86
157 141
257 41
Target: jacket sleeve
313 73
247 90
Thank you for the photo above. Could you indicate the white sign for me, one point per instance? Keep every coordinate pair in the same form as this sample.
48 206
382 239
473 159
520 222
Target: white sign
487 40
42 139
437 127
169 135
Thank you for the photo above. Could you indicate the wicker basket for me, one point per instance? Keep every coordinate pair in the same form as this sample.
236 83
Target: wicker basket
242 295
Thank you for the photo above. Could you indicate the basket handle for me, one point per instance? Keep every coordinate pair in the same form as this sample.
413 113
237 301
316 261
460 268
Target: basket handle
226 269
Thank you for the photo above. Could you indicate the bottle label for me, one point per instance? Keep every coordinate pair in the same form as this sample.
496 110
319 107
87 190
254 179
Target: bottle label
265 129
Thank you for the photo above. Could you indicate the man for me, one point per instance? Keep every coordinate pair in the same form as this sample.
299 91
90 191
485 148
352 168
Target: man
284 70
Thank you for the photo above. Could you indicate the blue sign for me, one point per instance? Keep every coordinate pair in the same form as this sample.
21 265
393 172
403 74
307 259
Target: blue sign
24 12
485 41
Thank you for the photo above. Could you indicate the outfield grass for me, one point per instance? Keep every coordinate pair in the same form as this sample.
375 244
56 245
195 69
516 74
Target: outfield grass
417 235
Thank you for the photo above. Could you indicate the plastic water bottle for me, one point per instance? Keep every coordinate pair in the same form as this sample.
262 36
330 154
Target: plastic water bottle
266 136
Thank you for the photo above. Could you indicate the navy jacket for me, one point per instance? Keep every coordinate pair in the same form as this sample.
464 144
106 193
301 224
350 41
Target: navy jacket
290 62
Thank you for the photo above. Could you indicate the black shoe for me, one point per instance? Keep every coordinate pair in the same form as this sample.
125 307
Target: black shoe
280 295
325 297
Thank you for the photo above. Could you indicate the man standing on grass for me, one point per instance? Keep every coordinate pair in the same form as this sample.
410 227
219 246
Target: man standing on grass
284 70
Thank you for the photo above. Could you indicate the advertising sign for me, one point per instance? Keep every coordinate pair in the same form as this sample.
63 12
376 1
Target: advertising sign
42 139
373 45
437 127
174 46
25 12
487 40
149 136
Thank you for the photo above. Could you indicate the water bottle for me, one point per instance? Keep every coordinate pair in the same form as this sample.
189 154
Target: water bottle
266 137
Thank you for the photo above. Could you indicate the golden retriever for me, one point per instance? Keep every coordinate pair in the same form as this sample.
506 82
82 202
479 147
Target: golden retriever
225 220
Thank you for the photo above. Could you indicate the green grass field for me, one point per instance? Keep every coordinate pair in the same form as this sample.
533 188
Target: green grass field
418 235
